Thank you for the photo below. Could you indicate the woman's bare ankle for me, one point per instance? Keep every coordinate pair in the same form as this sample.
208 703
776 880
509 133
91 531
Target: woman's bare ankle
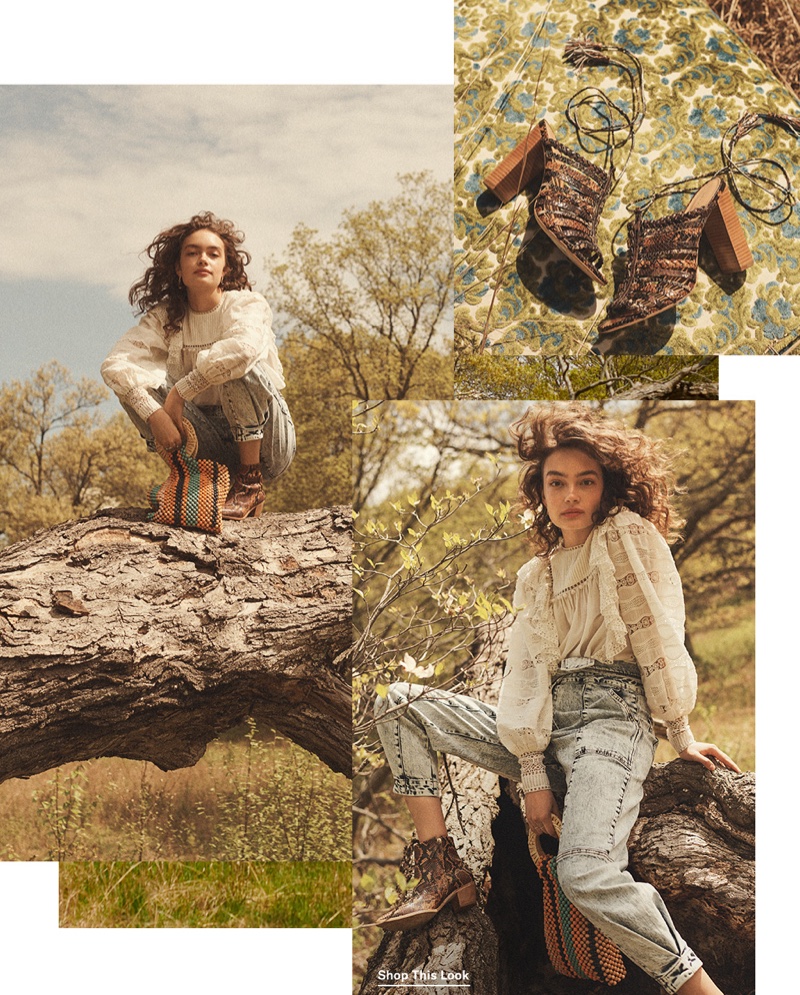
426 811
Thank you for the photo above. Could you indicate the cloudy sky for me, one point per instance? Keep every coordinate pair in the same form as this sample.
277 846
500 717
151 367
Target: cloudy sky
89 174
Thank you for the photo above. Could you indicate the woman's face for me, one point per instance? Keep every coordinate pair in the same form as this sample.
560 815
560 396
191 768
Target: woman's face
572 489
201 265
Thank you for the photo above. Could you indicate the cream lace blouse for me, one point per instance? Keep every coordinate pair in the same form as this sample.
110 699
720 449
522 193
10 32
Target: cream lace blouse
618 597
211 348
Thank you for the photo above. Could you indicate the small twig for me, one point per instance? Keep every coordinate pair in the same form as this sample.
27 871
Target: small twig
376 818
791 14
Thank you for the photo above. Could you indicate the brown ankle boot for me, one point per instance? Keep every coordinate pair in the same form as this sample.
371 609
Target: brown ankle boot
246 496
443 879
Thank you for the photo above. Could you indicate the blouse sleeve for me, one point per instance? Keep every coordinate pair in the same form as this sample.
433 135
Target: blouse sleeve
525 707
247 337
138 362
651 605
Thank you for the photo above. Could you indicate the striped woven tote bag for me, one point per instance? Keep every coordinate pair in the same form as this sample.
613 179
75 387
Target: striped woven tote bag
575 947
193 494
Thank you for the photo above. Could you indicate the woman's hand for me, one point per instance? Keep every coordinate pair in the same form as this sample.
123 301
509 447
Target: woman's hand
539 806
174 408
702 753
167 423
164 430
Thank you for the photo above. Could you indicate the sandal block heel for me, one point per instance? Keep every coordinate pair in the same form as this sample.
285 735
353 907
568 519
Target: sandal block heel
726 235
663 254
523 164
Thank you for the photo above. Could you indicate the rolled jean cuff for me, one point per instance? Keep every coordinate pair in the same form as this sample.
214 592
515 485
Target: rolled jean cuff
686 965
404 785
247 433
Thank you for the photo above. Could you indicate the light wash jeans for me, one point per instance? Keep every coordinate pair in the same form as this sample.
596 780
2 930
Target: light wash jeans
251 409
600 752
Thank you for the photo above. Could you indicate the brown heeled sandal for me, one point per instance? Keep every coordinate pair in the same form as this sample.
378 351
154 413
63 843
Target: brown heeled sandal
662 255
573 190
444 880
246 496
570 198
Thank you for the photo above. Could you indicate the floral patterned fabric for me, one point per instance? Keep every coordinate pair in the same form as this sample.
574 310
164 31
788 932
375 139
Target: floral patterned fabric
520 294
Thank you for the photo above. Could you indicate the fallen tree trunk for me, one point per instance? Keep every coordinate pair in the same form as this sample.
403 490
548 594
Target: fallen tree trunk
121 637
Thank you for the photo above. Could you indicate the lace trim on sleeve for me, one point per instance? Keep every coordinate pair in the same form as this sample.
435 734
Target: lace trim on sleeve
534 772
651 606
191 385
600 563
679 734
537 618
525 705
142 402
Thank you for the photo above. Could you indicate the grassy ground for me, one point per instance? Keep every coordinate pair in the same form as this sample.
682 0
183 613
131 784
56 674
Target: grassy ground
771 28
251 797
198 895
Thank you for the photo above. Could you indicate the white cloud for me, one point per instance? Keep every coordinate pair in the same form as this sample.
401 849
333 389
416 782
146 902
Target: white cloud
90 174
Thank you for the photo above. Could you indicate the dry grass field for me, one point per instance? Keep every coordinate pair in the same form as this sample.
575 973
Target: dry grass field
251 797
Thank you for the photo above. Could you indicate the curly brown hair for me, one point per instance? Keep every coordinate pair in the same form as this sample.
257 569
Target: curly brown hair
161 284
637 470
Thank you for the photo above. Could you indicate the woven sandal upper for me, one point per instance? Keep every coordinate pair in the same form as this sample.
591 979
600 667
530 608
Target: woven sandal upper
570 201
661 268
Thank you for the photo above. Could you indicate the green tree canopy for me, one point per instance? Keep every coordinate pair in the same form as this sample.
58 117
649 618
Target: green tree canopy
375 297
59 458
319 476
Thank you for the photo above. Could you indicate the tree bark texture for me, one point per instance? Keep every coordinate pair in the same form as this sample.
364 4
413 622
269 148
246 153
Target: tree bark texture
121 637
694 841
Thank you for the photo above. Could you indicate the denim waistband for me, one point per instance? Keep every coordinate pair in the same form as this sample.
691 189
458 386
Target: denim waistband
578 666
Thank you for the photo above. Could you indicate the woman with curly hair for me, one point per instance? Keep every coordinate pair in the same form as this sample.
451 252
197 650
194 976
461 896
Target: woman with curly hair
204 350
596 649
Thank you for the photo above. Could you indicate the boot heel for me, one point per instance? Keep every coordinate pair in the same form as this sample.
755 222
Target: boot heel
467 896
726 235
522 164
